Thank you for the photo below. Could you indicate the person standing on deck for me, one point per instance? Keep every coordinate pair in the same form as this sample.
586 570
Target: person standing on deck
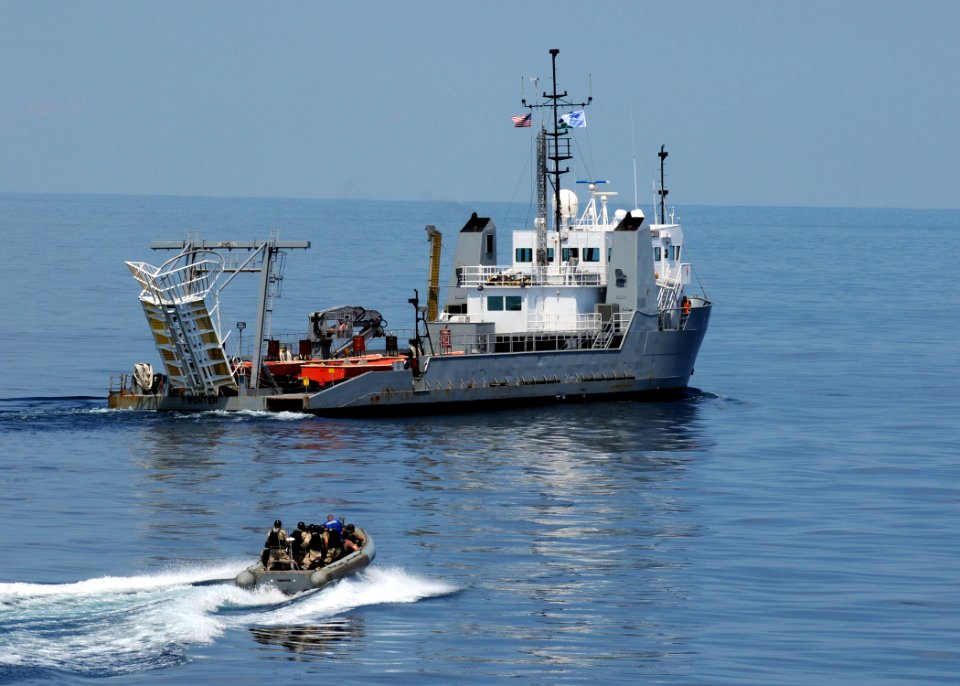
275 545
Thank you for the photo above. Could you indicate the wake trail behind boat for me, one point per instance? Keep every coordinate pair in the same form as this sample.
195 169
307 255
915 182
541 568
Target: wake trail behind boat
121 625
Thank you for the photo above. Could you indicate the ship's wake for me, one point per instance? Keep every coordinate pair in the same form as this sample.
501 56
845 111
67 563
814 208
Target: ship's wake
20 413
120 625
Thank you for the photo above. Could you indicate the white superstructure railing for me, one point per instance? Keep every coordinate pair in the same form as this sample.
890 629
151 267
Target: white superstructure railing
563 322
510 276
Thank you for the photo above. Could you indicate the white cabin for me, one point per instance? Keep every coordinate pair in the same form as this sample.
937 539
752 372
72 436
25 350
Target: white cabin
583 272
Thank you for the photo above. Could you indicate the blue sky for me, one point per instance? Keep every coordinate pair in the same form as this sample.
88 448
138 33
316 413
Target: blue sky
805 103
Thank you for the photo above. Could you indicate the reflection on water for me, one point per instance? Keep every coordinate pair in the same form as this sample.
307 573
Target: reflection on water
612 428
558 512
328 436
330 640
566 450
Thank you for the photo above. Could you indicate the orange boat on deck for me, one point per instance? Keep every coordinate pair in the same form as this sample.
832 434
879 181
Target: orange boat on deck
279 368
325 372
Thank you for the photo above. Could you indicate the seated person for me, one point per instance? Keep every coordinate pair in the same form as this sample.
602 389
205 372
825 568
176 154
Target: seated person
333 524
334 532
316 551
352 541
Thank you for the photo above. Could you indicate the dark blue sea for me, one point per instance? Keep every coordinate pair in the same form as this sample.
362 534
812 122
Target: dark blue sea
796 520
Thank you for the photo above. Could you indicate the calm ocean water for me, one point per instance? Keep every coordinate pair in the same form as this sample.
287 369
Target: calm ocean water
794 522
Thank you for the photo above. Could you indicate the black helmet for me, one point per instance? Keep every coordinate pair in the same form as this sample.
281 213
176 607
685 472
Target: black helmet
301 526
277 523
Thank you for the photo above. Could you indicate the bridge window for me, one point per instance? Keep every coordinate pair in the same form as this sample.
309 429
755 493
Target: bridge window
656 254
495 303
524 254
549 254
676 253
514 303
591 254
567 253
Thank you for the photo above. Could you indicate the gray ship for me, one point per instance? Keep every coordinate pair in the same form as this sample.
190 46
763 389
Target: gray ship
597 303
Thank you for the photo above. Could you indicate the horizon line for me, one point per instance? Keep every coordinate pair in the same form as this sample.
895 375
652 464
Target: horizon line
451 202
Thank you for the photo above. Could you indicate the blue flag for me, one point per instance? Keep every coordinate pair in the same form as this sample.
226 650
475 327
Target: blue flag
574 120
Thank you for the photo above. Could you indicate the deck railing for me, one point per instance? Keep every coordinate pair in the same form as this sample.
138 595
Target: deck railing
509 276
578 332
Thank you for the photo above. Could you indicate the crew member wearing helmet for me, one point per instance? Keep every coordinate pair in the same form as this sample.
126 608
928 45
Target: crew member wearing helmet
275 546
300 537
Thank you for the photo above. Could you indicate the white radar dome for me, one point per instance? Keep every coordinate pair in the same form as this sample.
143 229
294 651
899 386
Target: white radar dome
569 205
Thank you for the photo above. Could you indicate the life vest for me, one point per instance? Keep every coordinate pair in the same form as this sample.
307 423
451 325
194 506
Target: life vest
318 543
273 538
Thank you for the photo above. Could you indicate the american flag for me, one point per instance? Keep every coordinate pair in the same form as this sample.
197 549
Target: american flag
525 120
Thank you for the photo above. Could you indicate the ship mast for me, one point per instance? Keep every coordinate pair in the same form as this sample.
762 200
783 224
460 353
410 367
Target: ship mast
559 138
663 190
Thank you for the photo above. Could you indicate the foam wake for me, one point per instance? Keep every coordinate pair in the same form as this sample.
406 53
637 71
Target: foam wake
260 414
120 625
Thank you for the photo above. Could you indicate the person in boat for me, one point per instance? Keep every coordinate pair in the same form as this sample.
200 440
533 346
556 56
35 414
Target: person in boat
300 538
334 524
352 541
316 548
334 531
275 547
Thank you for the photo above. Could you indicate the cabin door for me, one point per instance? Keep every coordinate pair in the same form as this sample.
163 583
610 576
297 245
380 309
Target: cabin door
662 257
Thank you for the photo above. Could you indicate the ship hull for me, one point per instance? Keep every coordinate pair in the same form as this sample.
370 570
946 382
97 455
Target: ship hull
649 364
